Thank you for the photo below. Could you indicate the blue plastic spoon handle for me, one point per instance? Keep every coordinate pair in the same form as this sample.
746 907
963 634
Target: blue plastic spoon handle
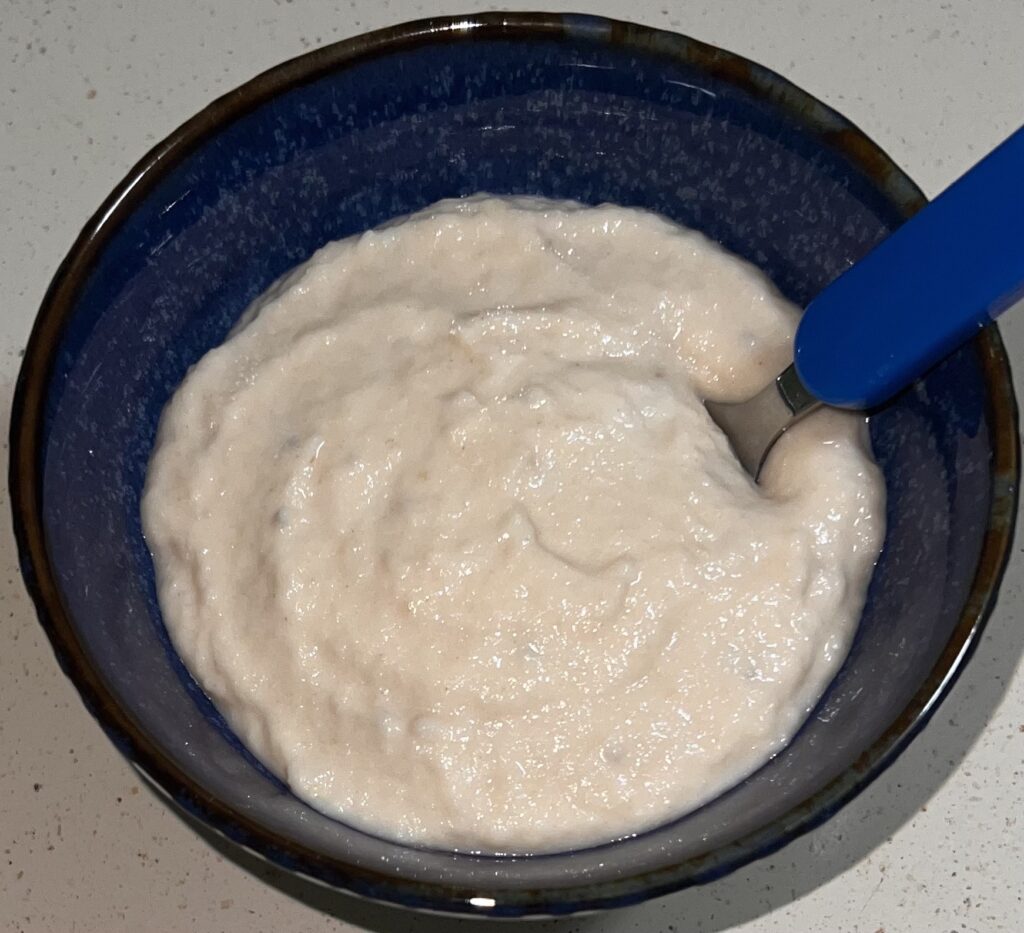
922 292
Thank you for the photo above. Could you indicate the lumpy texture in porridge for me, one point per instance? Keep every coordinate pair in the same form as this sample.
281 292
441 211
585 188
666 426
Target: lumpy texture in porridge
445 532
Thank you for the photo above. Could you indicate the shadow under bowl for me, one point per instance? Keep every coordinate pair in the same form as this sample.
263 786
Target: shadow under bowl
354 134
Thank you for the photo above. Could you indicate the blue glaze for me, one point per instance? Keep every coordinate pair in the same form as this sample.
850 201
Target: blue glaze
580 117
933 284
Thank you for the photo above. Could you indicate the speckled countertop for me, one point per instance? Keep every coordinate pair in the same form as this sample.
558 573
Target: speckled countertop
935 846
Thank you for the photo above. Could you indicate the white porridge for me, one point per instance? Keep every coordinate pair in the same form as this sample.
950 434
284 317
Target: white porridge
445 532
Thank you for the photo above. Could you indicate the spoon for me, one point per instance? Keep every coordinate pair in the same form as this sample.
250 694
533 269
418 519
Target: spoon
922 292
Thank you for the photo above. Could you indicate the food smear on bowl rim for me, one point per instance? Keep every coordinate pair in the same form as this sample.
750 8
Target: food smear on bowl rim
445 532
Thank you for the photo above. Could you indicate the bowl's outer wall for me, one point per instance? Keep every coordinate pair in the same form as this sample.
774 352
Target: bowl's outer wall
575 116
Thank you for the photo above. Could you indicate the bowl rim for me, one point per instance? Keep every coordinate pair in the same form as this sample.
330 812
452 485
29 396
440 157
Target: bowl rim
27 460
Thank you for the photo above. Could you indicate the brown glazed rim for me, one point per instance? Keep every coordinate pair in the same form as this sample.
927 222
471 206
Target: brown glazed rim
27 462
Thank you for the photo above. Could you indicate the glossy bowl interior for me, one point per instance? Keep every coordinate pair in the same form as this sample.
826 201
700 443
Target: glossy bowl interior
352 135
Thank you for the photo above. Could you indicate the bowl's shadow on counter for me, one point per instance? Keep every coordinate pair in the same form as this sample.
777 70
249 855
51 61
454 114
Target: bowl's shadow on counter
761 887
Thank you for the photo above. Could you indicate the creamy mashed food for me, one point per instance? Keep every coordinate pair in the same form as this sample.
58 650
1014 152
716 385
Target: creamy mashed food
445 532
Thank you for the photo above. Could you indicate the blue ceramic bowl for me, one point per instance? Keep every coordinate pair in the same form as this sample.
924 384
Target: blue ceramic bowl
351 135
